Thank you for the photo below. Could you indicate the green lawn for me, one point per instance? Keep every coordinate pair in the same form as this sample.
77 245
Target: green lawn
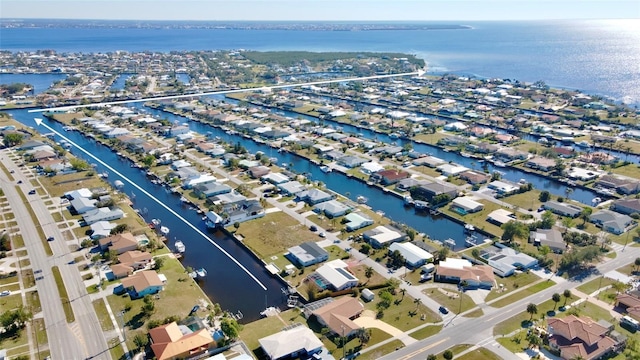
522 294
33 301
426 332
525 201
595 284
274 233
400 315
382 350
103 316
511 284
455 303
479 354
10 302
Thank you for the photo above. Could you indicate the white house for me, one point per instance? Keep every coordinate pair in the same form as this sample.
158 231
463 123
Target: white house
413 255
334 275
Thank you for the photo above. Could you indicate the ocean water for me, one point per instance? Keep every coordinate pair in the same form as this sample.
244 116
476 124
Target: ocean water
595 56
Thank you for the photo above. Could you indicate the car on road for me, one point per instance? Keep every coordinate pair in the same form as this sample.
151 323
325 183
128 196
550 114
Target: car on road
13 171
19 181
313 228
32 192
444 310
5 293
50 238
322 234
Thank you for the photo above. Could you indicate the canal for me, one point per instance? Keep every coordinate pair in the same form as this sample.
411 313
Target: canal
225 283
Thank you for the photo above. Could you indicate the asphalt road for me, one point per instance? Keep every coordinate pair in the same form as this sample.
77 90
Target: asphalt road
83 338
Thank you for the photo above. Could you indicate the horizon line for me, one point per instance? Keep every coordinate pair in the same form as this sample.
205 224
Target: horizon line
321 20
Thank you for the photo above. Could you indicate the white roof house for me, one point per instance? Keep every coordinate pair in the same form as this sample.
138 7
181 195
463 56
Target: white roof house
371 167
200 179
83 204
451 169
101 229
500 216
467 204
455 126
297 341
413 255
180 164
275 178
334 274
84 192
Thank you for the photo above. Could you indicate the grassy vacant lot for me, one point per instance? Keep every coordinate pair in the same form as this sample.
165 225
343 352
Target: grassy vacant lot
522 294
177 298
527 200
479 354
10 302
274 234
453 301
595 284
400 313
33 301
479 219
511 284
103 316
59 184
382 350
426 332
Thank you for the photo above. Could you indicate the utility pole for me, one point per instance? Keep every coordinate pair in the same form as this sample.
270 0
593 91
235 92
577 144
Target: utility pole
344 343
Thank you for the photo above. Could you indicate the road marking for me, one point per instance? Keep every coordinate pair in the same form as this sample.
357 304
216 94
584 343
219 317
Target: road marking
139 188
423 349
310 83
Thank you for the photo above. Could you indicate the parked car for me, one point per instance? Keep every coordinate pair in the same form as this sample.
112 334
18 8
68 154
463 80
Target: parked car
322 234
313 228
19 181
32 192
5 293
50 238
444 310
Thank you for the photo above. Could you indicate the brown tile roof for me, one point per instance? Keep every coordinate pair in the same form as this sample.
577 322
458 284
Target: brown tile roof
580 336
392 174
142 280
483 273
134 256
119 241
338 314
121 270
169 342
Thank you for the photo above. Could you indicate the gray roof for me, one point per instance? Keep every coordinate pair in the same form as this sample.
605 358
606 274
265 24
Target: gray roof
563 208
332 207
308 251
550 237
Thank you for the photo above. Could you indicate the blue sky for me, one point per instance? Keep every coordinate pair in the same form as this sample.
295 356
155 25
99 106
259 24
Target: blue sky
433 10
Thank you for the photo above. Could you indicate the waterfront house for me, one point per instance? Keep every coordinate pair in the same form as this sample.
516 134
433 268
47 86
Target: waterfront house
258 171
179 130
351 161
143 283
101 229
451 169
611 221
173 341
388 177
474 177
291 343
511 154
116 132
563 209
582 174
464 205
541 163
307 254
338 315
210 189
120 243
462 271
503 187
582 337
136 259
357 220
332 208
549 237
431 190
314 196
275 178
28 145
334 275
429 161
102 214
622 185
598 157
482 148
383 235
413 255
626 206
82 205
291 188
199 179
369 168
453 140
500 216
242 211
408 183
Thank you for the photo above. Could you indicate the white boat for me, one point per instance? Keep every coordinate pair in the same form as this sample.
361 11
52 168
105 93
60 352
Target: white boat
325 169
180 248
202 272
470 241
450 243
155 222
469 227
361 199
499 163
164 230
596 200
464 154
394 135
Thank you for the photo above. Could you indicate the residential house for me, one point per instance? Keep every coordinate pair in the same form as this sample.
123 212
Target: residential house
611 221
563 209
357 220
388 177
307 254
549 237
143 283
582 337
431 190
120 243
338 316
541 163
334 275
505 260
429 161
332 208
413 255
259 171
291 343
503 187
351 161
482 148
629 303
291 188
136 259
626 206
173 341
408 183
369 168
500 216
101 229
474 177
462 271
102 214
622 185
211 189
451 169
511 154
383 235
314 196
82 205
465 205
119 271
275 178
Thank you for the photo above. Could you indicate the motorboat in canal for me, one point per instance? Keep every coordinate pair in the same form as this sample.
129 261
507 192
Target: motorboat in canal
596 201
325 169
164 230
180 248
450 243
361 199
202 273
469 227
471 241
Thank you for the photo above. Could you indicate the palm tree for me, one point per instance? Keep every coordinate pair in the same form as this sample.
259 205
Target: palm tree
402 291
368 273
417 301
637 263
532 309
585 214
567 294
514 229
556 299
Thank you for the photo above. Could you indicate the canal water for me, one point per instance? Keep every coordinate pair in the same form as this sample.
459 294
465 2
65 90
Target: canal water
40 82
225 283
